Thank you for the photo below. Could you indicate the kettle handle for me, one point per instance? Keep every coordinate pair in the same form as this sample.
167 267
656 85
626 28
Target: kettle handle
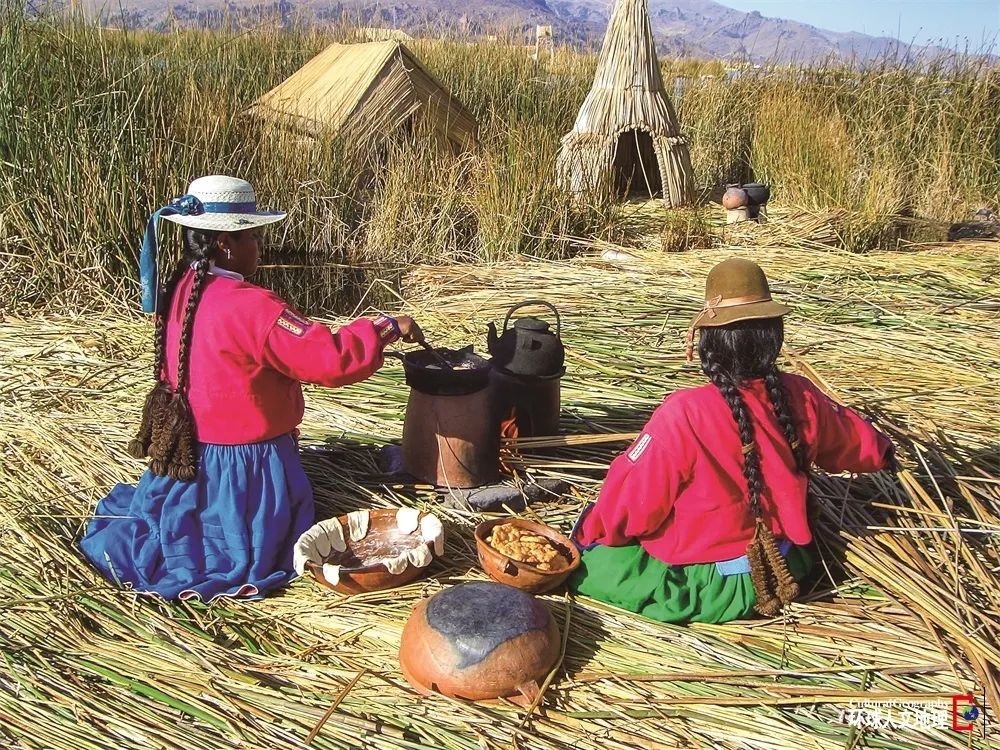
542 302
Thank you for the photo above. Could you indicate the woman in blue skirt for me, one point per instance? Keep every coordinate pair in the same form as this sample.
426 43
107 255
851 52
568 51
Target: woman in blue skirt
225 498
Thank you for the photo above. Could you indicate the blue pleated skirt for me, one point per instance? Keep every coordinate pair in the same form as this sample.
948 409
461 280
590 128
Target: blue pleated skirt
230 532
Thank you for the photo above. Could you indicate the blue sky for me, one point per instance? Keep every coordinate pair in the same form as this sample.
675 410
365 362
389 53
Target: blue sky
920 20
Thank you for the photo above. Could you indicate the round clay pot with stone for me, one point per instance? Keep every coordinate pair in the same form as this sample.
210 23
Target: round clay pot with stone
479 641
735 198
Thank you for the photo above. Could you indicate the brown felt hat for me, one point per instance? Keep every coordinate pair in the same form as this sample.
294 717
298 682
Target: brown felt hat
736 289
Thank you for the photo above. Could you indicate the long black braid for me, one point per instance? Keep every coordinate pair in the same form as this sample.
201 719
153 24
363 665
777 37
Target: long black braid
184 354
778 397
725 381
160 395
160 334
730 356
173 447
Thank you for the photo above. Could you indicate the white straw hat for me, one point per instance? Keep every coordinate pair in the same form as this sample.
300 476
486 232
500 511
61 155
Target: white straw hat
217 204
229 205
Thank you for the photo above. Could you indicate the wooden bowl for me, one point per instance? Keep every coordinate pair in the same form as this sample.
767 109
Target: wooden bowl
479 641
387 555
522 575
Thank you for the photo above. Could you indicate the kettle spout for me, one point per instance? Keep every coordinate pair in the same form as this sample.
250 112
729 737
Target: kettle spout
491 338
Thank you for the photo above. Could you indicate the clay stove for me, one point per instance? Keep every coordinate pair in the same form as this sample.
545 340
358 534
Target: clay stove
451 433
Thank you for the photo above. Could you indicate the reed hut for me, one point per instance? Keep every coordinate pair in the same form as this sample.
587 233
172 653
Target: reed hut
366 92
626 137
378 34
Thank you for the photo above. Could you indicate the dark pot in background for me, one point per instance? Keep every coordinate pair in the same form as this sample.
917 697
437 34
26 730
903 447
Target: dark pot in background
757 192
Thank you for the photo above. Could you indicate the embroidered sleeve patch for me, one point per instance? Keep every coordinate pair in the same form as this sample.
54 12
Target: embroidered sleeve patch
387 329
635 453
294 323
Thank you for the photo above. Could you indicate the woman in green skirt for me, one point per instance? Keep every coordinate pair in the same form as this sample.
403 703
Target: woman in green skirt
703 518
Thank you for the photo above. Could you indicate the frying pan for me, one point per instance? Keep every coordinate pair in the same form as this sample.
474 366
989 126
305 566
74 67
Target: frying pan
425 372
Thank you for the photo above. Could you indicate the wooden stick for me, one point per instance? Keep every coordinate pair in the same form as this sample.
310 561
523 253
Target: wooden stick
333 707
723 677
551 676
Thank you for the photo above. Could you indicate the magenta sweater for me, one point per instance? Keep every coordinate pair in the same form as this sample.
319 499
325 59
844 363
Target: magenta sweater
679 489
250 353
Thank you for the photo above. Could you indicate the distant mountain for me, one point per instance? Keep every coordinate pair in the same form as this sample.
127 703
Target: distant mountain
721 32
698 28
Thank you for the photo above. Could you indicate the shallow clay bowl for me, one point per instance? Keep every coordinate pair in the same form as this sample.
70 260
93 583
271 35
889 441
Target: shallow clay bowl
360 567
522 575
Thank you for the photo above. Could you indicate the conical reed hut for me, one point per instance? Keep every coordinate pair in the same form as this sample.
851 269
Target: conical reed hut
626 137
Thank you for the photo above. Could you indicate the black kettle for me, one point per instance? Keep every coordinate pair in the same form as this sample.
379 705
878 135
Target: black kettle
529 347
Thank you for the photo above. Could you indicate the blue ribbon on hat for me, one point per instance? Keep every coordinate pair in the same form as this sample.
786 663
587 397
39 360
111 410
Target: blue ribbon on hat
186 205
149 276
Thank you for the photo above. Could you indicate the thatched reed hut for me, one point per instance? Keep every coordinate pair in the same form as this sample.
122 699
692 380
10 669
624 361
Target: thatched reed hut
379 34
626 137
366 92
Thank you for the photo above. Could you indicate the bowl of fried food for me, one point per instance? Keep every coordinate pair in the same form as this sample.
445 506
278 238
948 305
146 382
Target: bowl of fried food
527 555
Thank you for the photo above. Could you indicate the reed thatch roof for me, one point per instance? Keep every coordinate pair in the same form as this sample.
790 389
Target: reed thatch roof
626 135
370 89
378 34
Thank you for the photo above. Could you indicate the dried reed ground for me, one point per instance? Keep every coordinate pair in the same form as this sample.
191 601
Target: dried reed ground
908 336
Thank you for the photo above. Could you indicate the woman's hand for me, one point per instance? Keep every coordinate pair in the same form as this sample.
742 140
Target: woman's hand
409 331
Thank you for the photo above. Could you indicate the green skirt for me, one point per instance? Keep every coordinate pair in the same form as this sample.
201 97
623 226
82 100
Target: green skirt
628 577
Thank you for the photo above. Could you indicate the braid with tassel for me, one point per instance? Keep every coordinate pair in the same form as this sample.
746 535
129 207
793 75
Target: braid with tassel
788 588
184 462
154 409
772 581
174 450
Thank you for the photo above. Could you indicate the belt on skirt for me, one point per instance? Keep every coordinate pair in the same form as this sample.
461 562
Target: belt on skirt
734 567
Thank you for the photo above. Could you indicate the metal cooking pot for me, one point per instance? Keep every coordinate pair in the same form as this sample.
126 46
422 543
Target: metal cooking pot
757 192
425 373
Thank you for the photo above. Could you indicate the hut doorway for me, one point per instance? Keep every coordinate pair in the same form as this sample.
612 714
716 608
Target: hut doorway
636 171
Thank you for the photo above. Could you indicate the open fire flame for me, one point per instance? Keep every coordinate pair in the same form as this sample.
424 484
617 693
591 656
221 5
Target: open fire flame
508 426
508 433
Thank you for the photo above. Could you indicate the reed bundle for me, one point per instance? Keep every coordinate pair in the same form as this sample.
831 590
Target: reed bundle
906 607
